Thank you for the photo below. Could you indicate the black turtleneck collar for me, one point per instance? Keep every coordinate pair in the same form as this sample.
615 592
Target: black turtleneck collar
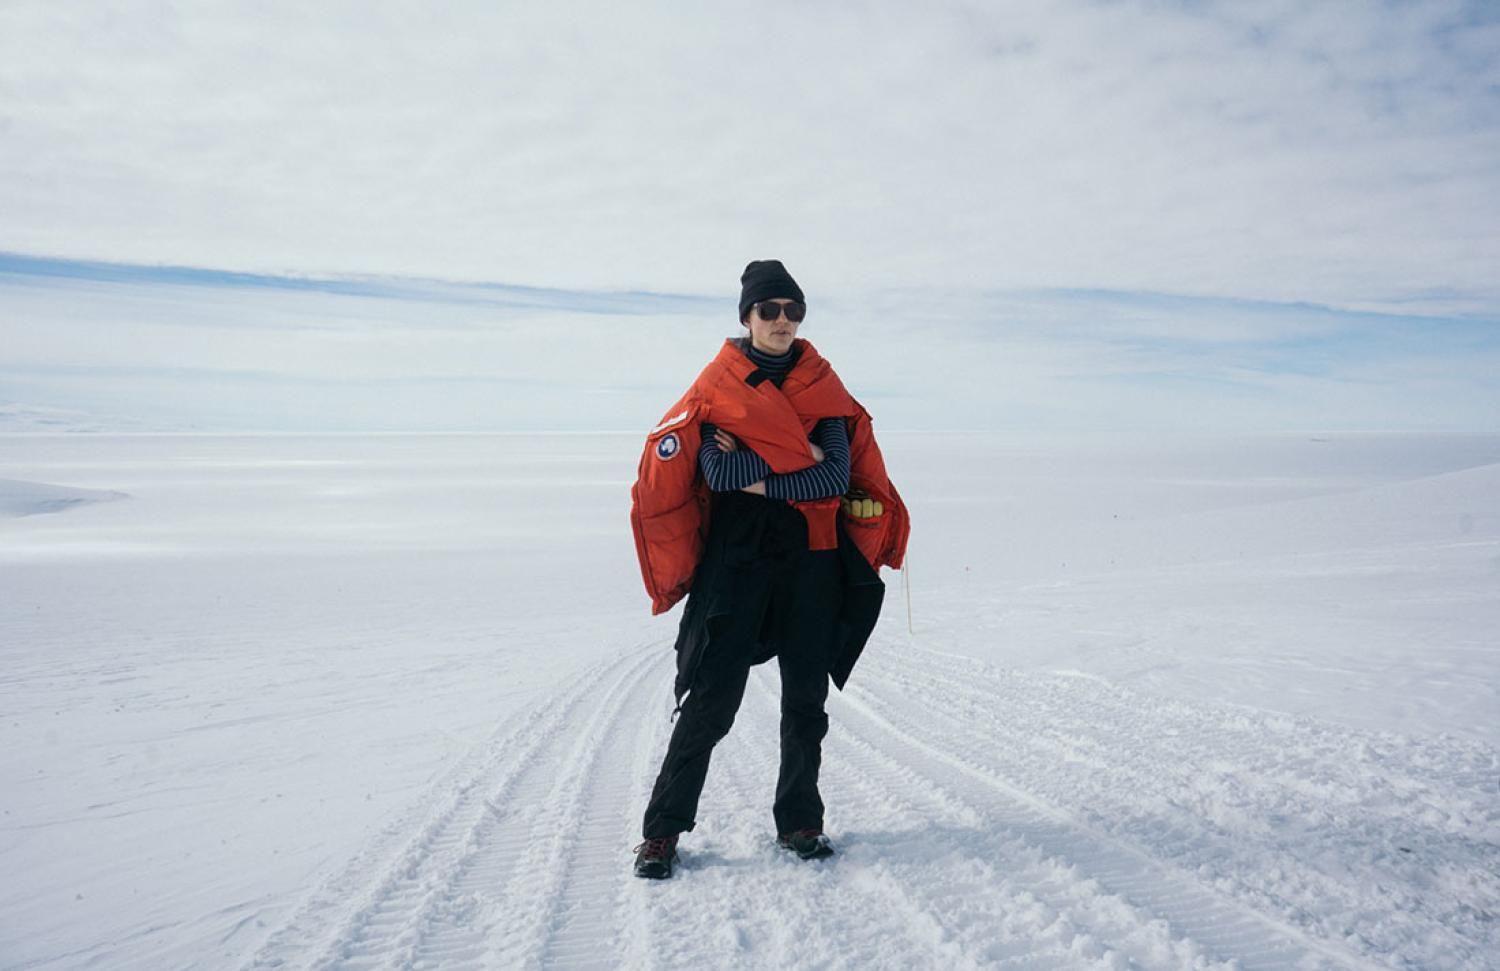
772 366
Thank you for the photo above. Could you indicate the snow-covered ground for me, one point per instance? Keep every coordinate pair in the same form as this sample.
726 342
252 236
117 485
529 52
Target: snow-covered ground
395 702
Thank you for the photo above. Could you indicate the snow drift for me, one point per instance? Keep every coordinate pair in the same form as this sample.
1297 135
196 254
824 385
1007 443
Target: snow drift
38 498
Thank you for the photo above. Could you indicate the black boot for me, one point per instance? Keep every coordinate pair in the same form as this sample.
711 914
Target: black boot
654 858
809 844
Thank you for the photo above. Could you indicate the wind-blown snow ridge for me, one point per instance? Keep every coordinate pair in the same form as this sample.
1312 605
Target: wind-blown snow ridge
984 818
19 498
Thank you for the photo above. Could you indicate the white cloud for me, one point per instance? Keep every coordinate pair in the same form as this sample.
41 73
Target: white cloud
1345 154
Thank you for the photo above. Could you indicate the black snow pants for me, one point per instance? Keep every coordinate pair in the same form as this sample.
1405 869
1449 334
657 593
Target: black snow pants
788 597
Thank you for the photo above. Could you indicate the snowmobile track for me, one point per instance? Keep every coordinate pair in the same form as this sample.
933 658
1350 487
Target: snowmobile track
1120 898
829 913
433 903
1246 803
983 819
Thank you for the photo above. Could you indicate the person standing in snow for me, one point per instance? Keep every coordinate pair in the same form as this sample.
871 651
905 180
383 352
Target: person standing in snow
761 496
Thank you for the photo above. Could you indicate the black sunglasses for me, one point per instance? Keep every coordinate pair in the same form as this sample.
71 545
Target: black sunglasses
769 311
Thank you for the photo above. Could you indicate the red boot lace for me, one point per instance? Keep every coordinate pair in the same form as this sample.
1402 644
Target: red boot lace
659 848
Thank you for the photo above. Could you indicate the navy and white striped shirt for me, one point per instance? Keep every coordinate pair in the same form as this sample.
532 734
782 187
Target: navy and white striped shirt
731 471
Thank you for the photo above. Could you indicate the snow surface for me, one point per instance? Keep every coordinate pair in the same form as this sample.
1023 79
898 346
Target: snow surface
396 702
39 498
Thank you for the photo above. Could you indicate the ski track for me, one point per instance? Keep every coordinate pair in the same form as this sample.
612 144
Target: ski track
983 819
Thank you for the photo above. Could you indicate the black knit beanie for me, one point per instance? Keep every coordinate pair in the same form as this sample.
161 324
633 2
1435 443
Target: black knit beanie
763 280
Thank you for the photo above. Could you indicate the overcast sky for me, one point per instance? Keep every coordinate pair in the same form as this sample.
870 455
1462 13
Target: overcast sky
1266 208
1344 153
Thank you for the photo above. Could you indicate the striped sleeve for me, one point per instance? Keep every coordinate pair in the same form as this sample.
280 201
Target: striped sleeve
829 477
728 471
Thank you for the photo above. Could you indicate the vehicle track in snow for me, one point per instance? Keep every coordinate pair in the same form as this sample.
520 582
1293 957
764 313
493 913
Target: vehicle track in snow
984 819
1002 899
921 858
1108 893
563 907
1288 816
756 905
447 897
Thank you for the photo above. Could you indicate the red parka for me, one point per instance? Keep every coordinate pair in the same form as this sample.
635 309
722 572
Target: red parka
670 500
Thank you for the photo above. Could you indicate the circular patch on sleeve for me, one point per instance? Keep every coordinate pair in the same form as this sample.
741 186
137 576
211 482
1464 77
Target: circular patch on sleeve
668 447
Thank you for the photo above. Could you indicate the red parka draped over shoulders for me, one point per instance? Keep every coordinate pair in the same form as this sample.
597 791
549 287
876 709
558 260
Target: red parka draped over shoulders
670 500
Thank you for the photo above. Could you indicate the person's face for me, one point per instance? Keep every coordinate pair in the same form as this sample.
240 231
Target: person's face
771 336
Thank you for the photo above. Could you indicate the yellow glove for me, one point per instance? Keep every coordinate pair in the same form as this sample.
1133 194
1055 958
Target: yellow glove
858 505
